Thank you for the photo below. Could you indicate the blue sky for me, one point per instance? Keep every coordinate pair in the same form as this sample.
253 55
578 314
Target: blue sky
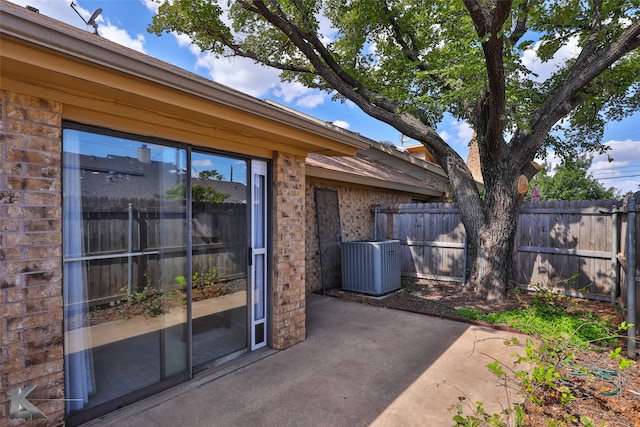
126 22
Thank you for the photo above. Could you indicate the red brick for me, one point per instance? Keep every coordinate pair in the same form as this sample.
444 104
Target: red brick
12 309
45 304
12 365
33 184
44 144
11 168
19 239
14 211
10 337
42 198
35 170
8 140
8 254
43 225
40 288
28 321
32 253
30 156
34 373
44 283
33 129
33 102
45 117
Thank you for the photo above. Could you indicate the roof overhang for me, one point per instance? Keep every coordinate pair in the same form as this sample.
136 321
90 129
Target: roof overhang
361 170
99 82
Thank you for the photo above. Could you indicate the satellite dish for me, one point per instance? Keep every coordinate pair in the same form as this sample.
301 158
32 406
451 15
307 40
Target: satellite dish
92 19
404 138
94 15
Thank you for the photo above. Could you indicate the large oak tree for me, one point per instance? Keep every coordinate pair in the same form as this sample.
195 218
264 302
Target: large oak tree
408 62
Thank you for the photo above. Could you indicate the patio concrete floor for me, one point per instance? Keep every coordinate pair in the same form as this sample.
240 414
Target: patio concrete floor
359 366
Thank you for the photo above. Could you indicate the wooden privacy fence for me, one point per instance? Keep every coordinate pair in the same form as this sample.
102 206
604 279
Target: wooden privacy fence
575 246
132 243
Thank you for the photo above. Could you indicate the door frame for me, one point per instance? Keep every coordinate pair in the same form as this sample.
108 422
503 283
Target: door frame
259 248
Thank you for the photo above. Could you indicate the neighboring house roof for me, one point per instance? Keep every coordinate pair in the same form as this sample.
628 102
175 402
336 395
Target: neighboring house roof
101 82
420 151
424 171
125 177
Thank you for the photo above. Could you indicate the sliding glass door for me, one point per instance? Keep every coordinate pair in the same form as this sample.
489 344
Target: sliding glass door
219 274
124 246
165 267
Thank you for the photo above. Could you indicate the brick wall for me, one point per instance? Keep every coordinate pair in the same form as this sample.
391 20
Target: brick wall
356 219
31 255
288 247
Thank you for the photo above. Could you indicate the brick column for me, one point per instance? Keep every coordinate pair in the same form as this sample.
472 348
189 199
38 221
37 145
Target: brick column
31 255
289 251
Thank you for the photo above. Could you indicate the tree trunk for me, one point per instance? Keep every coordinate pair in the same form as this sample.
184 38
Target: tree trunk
492 259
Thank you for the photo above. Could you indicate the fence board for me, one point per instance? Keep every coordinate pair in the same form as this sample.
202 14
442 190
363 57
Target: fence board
566 245
624 250
159 232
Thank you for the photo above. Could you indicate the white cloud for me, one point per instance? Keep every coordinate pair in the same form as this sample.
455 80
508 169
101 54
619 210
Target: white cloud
292 91
239 73
152 5
619 173
544 70
342 124
205 163
445 135
120 36
67 15
458 135
300 95
55 10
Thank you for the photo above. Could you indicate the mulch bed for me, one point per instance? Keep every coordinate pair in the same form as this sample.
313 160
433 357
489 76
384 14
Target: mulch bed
606 400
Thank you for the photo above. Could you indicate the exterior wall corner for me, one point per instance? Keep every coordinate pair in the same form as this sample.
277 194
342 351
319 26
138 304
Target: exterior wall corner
31 254
289 304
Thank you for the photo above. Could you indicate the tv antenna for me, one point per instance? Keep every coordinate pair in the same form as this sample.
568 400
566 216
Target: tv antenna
92 19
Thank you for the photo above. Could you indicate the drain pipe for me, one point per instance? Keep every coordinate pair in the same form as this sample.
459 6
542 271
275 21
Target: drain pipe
631 277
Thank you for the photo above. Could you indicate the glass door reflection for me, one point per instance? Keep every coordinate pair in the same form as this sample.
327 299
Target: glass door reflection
219 273
124 233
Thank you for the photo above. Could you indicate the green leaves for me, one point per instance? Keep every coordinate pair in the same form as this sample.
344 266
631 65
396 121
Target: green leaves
426 57
571 181
199 19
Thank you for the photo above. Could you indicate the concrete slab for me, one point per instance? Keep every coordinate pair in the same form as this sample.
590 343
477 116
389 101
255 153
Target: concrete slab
360 365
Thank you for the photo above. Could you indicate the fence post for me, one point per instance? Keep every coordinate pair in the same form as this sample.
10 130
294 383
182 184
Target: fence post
614 255
631 277
130 249
465 257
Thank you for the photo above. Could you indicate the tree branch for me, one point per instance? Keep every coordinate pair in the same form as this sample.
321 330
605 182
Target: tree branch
590 63
490 117
410 52
520 28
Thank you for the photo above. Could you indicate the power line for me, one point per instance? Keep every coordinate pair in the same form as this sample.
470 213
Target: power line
617 168
616 177
612 173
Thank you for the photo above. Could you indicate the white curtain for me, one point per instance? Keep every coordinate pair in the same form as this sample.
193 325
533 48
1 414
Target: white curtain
78 362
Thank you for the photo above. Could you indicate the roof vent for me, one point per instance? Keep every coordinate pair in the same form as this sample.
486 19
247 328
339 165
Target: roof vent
33 9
